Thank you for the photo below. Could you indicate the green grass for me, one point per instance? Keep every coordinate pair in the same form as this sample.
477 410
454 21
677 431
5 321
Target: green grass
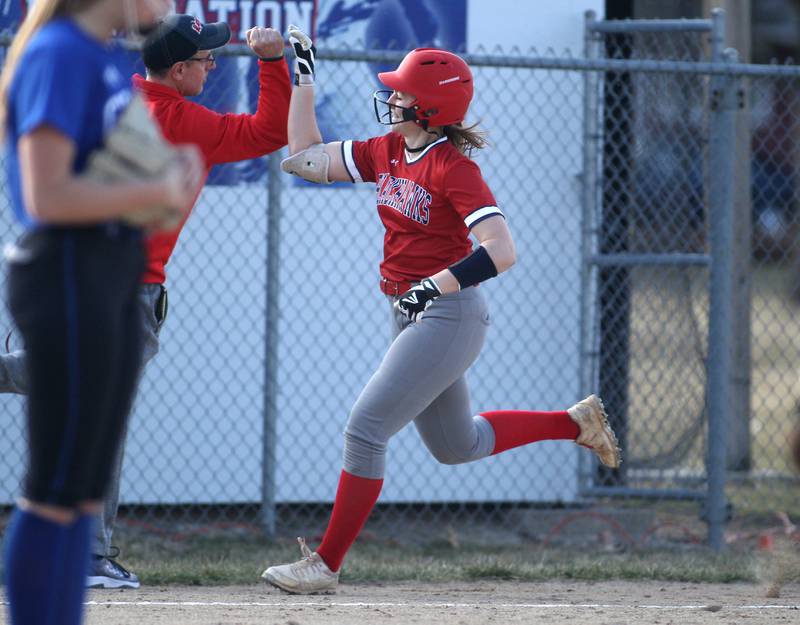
775 348
669 325
216 561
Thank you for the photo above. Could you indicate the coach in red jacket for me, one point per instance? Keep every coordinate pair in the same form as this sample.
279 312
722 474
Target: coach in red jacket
178 57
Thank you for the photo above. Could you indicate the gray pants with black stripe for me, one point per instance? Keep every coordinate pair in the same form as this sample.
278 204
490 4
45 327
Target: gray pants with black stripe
421 379
14 379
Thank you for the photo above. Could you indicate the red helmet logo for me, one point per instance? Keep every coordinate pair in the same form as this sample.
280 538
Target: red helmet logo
441 82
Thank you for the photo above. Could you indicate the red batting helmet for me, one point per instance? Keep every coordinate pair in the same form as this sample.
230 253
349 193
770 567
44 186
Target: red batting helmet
441 82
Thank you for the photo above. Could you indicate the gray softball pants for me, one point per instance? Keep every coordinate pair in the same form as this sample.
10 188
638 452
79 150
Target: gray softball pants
14 379
421 379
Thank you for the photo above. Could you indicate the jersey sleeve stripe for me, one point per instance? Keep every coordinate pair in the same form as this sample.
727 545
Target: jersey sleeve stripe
350 162
479 215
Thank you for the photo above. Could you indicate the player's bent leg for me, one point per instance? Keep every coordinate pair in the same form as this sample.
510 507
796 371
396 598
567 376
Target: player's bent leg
450 431
428 357
364 452
596 433
425 359
309 575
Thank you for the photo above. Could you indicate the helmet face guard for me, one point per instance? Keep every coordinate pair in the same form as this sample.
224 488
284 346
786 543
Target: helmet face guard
384 109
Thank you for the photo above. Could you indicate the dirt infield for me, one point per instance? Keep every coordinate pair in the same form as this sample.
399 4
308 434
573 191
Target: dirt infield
555 603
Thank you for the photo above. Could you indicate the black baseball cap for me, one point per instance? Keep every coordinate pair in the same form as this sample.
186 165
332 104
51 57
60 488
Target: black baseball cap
179 37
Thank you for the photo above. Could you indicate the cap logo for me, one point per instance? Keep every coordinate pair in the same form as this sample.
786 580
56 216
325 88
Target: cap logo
197 26
449 80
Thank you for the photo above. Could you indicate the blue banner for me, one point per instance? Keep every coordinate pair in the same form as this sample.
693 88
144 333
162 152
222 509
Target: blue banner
233 85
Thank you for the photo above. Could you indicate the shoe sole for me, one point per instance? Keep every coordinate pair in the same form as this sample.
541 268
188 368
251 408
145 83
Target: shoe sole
611 438
108 583
276 584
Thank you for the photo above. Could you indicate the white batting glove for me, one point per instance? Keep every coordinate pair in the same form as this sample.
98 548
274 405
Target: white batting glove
305 56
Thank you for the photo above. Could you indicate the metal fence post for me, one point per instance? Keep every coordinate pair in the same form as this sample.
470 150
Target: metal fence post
614 282
587 365
731 31
721 172
274 186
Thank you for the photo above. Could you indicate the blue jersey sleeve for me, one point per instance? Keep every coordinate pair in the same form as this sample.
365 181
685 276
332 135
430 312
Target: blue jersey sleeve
51 90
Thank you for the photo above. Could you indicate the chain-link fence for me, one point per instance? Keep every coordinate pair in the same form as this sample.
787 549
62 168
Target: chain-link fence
648 253
638 182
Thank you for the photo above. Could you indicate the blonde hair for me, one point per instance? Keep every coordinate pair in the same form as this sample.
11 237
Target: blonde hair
42 12
466 138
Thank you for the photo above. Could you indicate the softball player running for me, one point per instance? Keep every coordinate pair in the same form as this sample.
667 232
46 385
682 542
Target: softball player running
430 198
73 281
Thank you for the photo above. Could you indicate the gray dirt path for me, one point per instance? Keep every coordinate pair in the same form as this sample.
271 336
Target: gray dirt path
554 603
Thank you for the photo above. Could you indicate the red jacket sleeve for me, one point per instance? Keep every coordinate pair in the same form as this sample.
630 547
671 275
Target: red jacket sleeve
236 137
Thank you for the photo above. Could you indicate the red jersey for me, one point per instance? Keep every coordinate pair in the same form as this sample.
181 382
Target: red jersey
221 138
427 201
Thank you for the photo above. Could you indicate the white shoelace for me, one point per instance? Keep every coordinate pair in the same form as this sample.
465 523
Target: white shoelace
304 548
311 565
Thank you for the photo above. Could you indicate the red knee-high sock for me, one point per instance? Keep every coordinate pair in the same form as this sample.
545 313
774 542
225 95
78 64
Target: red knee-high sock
513 428
355 499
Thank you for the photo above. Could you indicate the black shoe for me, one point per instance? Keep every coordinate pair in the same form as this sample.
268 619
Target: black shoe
105 572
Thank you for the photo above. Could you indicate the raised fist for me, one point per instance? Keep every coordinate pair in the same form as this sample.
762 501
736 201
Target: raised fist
267 43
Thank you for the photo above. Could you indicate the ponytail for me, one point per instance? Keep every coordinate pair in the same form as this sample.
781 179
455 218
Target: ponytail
466 139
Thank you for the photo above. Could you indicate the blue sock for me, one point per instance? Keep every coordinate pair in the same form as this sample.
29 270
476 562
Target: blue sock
75 568
46 567
33 556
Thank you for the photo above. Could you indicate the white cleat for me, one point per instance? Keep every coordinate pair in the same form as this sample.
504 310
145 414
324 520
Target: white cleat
596 433
309 576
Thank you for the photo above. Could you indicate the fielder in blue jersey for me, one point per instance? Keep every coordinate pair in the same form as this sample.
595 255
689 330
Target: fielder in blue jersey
73 284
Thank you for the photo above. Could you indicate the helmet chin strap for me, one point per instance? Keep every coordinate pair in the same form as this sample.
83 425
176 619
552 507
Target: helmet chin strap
410 115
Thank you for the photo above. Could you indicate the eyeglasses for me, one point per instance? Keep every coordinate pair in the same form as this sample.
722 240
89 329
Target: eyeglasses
210 60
